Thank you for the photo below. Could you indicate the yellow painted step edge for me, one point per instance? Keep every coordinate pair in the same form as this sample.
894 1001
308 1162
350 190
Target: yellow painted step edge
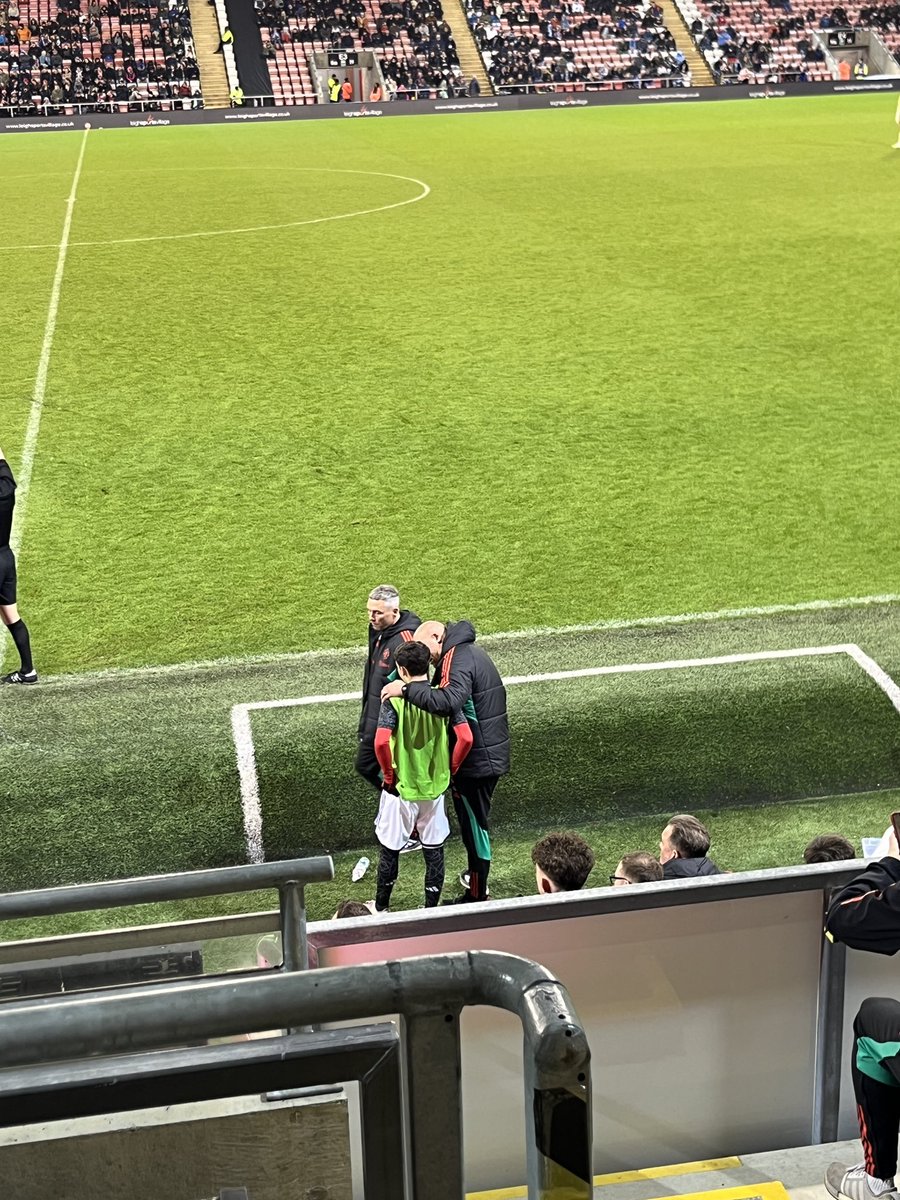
689 1168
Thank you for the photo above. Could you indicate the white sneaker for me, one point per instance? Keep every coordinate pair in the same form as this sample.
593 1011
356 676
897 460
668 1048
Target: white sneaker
852 1183
464 884
413 844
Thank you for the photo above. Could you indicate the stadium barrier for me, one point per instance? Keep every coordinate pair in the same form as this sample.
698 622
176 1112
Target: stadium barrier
715 988
80 1053
480 104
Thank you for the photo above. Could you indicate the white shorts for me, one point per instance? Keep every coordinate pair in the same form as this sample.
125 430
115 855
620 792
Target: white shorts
398 818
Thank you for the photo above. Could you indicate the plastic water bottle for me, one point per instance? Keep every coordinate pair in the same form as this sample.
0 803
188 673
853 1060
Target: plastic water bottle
360 869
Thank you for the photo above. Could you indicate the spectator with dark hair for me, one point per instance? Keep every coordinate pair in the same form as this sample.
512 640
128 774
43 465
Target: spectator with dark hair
351 908
638 867
683 848
562 863
828 847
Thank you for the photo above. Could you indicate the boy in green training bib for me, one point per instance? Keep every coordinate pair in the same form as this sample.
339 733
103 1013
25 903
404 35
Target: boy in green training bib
414 752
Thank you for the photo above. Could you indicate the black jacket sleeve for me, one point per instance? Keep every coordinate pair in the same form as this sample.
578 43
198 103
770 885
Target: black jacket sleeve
866 913
454 693
7 483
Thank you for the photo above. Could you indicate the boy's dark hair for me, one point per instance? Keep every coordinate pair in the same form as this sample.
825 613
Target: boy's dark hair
351 908
565 858
414 657
641 867
689 836
828 847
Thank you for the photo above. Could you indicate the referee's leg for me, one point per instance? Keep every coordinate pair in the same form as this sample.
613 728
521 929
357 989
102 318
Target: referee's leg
9 615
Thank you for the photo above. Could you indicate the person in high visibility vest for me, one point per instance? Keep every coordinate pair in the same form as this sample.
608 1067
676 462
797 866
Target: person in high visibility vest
334 89
861 69
226 39
236 96
347 90
376 95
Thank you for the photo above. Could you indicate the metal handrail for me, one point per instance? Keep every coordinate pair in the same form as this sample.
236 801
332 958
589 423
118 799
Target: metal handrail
429 993
156 889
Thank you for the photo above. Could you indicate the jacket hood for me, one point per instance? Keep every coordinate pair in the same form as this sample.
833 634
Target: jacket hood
458 634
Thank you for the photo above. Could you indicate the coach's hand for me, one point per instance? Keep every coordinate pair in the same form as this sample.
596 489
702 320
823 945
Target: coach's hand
391 689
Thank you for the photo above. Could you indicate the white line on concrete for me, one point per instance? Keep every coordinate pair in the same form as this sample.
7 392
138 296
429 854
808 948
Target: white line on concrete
300 657
26 465
246 753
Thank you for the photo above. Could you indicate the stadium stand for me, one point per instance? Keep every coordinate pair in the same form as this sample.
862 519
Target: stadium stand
56 56
577 45
413 42
773 42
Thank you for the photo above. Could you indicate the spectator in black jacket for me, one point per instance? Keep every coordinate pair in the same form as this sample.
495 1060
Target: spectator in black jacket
466 678
389 627
866 916
683 848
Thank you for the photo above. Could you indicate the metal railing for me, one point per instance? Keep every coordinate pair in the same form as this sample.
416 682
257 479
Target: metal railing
91 1042
637 82
289 878
83 108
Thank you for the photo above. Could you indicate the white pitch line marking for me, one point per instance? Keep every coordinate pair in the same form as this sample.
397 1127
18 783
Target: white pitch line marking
242 730
299 657
26 465
210 233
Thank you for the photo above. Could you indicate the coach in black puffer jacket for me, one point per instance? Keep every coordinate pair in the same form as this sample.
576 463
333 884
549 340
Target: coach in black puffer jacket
466 672
383 645
465 678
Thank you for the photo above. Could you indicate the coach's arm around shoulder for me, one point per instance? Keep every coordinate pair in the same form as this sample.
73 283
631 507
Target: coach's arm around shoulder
865 914
444 700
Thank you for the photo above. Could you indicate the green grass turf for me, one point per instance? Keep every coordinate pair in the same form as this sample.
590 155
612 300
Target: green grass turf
599 371
613 365
752 839
128 774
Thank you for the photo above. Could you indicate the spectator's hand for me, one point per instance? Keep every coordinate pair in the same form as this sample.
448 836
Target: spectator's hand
887 847
391 689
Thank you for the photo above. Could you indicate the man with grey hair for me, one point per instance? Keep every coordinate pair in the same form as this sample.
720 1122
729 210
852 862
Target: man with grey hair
389 627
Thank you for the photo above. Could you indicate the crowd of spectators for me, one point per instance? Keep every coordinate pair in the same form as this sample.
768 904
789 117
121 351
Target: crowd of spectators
775 41
412 39
126 52
579 43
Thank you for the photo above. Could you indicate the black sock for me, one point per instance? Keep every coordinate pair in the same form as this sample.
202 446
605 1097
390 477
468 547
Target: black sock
19 634
388 867
434 874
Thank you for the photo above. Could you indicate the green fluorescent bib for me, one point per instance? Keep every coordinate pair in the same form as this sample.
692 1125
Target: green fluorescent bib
420 749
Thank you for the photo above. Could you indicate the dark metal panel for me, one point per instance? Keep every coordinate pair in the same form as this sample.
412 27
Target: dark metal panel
164 1077
434 1096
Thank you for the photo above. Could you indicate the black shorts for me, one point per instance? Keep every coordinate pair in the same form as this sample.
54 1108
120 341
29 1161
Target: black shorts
7 576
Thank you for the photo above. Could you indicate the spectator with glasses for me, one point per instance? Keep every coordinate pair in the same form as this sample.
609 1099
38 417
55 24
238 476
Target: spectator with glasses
638 867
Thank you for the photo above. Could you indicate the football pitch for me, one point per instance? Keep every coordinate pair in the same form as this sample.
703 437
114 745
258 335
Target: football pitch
552 371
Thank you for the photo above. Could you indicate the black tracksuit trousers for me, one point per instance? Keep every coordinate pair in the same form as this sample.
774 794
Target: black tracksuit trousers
878 1103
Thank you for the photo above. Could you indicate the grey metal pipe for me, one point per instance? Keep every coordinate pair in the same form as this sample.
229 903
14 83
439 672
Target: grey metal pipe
80 1025
155 889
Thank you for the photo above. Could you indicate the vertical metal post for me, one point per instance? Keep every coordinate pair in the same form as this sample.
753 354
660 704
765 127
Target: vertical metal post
829 1037
381 1115
294 947
558 1100
434 1097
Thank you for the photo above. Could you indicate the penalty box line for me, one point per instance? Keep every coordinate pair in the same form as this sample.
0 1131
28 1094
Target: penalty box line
242 731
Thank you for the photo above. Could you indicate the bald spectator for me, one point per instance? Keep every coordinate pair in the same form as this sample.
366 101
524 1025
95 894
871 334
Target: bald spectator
828 847
637 867
562 863
683 849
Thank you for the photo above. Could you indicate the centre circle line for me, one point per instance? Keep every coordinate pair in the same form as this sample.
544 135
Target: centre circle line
209 233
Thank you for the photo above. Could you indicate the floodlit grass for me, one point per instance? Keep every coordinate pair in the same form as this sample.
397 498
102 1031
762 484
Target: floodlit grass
614 364
617 363
768 836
